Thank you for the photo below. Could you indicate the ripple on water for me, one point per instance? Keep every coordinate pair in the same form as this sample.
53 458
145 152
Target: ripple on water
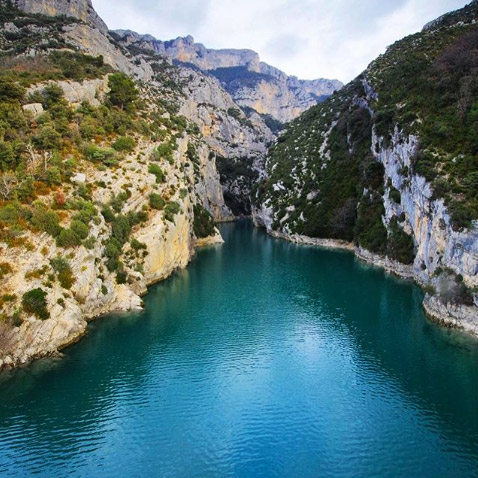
262 359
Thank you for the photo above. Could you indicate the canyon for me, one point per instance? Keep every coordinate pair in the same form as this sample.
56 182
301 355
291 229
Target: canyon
209 145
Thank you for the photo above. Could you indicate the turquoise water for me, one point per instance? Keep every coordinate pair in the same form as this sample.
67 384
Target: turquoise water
262 359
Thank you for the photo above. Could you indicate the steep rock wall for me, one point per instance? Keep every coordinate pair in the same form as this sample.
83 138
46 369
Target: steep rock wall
80 9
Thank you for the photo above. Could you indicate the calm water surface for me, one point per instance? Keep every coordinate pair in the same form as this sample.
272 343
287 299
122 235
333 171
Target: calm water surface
262 359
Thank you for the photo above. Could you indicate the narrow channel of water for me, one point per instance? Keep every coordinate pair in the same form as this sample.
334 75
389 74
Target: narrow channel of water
262 359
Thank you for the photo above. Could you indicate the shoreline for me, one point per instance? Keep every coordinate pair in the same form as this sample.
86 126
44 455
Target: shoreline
78 333
449 315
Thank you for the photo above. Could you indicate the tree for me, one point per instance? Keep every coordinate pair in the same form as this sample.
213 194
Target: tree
123 92
156 201
8 183
52 95
10 91
34 302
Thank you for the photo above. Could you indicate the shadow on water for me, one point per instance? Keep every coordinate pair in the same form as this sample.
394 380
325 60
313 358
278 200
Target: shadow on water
273 317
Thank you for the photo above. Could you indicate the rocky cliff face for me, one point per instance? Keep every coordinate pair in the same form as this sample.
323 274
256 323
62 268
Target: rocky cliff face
378 166
80 9
162 244
252 83
206 149
230 133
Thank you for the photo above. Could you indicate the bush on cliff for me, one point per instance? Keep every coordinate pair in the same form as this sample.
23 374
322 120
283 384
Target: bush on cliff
171 209
34 302
123 92
203 224
64 273
156 201
400 245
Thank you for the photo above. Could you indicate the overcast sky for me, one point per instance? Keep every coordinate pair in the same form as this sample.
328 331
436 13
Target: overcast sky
306 38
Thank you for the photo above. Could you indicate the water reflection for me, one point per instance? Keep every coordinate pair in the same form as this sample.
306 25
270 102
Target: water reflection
263 358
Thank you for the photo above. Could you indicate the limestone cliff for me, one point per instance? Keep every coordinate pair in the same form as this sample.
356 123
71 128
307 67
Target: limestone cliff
230 134
197 126
81 9
166 244
389 165
252 83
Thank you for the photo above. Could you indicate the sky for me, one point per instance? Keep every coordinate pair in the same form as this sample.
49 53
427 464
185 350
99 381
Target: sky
307 38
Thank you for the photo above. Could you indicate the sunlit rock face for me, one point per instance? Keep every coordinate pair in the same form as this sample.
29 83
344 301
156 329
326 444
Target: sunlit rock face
252 83
81 9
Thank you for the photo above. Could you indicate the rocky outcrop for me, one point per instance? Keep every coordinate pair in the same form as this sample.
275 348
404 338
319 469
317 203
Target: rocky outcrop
191 178
94 42
95 291
227 131
451 315
168 244
80 9
252 83
92 91
230 135
185 50
438 244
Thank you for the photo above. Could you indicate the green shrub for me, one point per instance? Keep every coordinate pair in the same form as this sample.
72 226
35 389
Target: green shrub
370 231
156 201
121 277
52 96
137 245
121 229
34 302
10 91
157 171
171 209
125 144
8 298
48 137
203 224
45 220
123 92
5 269
68 238
108 214
395 195
63 269
96 154
80 229
400 245
90 242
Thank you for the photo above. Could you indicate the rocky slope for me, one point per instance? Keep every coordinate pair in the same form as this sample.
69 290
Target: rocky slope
80 9
389 164
252 83
82 280
230 133
101 199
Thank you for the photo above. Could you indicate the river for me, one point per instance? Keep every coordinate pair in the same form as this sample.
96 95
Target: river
261 359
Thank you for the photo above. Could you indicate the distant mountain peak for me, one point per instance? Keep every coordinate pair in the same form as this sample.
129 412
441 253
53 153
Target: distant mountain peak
253 83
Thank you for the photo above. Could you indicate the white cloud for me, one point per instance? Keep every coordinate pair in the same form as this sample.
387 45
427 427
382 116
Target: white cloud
306 38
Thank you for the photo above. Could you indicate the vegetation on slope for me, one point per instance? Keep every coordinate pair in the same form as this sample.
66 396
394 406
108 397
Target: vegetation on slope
427 84
324 180
42 154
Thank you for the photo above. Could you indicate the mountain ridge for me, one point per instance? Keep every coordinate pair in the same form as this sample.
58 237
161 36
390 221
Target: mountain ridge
260 86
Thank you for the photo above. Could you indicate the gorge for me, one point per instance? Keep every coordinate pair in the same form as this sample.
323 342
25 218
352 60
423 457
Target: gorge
284 272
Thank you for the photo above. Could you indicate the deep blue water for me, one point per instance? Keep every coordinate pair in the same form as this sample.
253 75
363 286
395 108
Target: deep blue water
262 359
